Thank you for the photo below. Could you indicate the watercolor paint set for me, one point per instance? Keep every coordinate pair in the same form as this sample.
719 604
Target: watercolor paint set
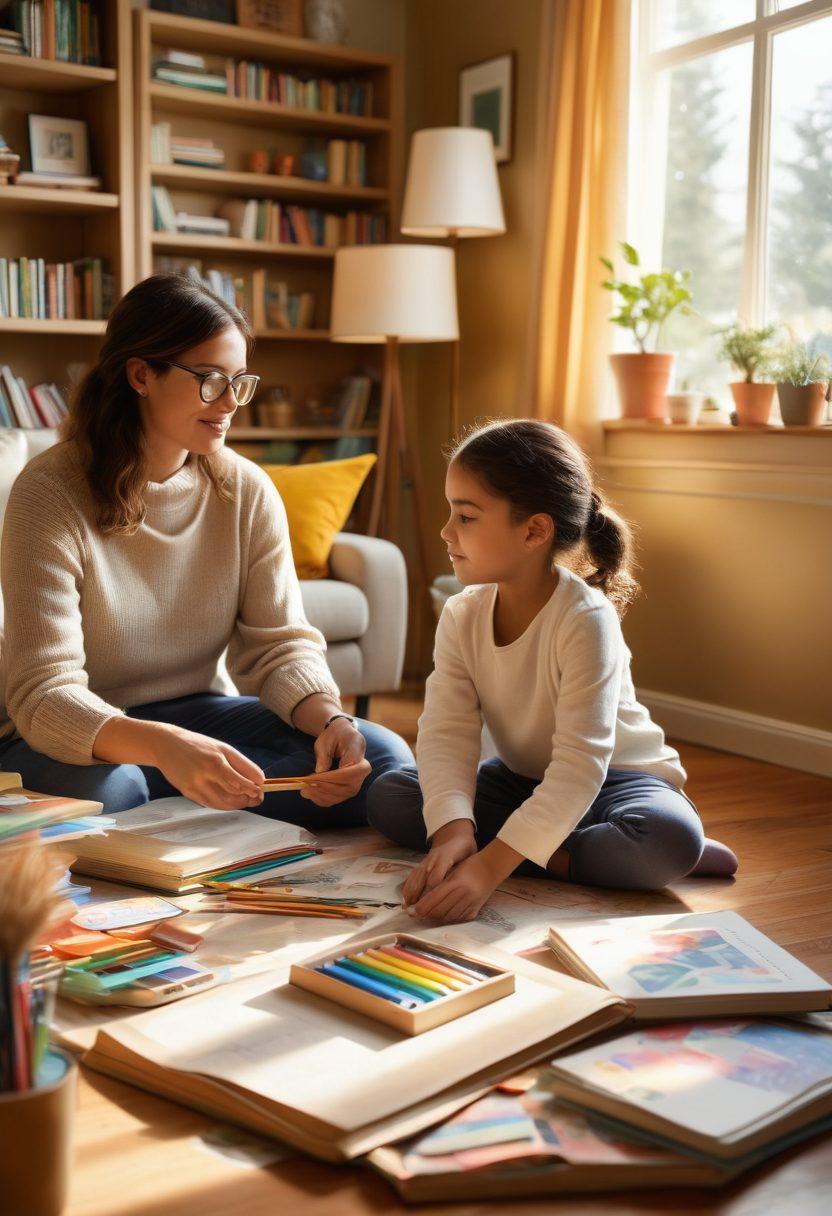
409 982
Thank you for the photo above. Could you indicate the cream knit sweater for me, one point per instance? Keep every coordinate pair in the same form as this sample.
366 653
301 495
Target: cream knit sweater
96 624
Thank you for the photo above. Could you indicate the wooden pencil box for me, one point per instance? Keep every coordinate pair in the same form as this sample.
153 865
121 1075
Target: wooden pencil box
496 983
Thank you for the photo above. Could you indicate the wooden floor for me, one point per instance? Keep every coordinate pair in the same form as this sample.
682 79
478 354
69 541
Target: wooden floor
140 1156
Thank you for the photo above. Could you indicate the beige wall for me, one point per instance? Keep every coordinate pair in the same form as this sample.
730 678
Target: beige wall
494 273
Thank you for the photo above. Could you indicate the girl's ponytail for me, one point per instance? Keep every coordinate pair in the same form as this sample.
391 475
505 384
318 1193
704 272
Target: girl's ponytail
608 542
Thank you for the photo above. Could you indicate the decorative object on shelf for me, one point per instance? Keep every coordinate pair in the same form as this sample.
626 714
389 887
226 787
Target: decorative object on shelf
59 145
368 305
684 408
9 163
714 414
258 161
207 10
279 16
486 100
643 308
283 164
452 191
750 351
275 407
326 21
314 164
803 376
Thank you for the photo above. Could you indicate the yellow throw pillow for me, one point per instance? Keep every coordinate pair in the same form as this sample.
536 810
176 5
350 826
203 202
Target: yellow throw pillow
318 500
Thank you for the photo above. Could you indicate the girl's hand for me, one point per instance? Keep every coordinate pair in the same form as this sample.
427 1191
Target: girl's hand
462 893
207 771
451 844
341 742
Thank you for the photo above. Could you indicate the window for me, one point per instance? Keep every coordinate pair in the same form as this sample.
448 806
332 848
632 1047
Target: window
731 166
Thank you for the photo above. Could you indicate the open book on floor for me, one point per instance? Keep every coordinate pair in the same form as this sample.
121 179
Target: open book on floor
172 844
708 964
504 1146
334 1082
724 1088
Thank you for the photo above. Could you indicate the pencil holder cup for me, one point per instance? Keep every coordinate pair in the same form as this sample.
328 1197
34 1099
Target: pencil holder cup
36 1141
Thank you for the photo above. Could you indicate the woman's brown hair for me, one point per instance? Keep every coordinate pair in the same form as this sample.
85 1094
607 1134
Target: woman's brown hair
157 320
538 468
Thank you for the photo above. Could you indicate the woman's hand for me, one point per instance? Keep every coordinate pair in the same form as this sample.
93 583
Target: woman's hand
207 771
450 845
339 743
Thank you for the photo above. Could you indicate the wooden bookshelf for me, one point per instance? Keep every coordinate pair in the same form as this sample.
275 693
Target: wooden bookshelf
63 225
304 360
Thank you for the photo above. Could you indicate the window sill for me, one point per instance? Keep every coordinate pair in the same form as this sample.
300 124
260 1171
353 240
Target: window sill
644 426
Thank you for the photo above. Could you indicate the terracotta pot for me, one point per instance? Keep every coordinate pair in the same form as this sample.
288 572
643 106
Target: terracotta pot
802 404
753 402
642 382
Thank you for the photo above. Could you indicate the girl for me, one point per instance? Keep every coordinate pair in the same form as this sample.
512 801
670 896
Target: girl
139 550
583 784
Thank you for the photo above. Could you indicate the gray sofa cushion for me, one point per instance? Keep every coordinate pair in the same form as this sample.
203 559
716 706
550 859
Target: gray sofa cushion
339 610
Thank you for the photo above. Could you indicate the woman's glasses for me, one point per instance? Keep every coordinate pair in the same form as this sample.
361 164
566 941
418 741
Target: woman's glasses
213 384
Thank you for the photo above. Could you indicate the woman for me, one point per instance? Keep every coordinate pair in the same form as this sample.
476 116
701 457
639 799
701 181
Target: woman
135 554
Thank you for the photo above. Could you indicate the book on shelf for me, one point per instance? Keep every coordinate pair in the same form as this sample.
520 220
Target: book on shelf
189 70
40 290
59 181
11 42
346 162
720 1087
173 844
65 30
352 401
202 225
693 965
274 306
287 224
260 82
169 149
43 405
334 1083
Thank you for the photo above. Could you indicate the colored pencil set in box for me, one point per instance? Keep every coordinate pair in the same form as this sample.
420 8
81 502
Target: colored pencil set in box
408 982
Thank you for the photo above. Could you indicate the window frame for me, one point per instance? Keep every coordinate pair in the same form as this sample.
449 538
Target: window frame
647 156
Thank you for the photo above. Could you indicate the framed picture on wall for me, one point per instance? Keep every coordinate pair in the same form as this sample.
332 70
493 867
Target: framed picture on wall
486 99
59 145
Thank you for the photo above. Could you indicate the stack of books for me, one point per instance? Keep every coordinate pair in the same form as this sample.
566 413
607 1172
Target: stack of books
169 149
167 219
11 42
33 408
56 29
32 287
188 70
259 82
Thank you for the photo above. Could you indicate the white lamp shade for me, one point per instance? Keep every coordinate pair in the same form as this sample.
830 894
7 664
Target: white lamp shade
452 186
394 291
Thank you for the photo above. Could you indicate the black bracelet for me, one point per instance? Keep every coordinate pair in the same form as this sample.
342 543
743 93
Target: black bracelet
333 718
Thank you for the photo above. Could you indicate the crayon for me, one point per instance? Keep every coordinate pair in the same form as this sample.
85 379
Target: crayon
417 958
375 972
476 971
385 965
394 960
403 999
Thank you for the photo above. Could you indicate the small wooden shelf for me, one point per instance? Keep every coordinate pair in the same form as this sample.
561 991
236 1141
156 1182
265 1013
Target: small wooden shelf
43 200
33 325
181 100
51 76
300 432
262 185
186 242
292 335
235 41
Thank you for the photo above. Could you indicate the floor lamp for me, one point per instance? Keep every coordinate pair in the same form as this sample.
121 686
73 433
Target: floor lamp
452 191
395 294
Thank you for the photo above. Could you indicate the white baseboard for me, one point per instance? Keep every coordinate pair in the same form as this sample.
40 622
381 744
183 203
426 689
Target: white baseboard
733 730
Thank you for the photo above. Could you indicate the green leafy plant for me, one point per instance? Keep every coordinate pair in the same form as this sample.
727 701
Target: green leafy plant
747 350
645 305
797 363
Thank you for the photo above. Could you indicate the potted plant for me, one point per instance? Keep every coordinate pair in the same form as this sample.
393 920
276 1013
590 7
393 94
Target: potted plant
748 350
643 307
803 377
685 406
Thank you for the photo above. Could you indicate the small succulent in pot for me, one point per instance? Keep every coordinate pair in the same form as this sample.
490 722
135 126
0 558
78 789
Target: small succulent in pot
803 376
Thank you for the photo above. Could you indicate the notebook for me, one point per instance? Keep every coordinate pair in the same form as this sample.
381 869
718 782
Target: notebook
724 1088
23 810
168 844
506 1146
330 1081
695 965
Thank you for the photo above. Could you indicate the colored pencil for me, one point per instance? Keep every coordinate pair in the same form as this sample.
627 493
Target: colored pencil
474 970
416 958
385 955
376 973
390 969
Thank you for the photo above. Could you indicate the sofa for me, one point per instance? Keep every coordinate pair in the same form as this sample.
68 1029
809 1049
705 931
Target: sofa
361 609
